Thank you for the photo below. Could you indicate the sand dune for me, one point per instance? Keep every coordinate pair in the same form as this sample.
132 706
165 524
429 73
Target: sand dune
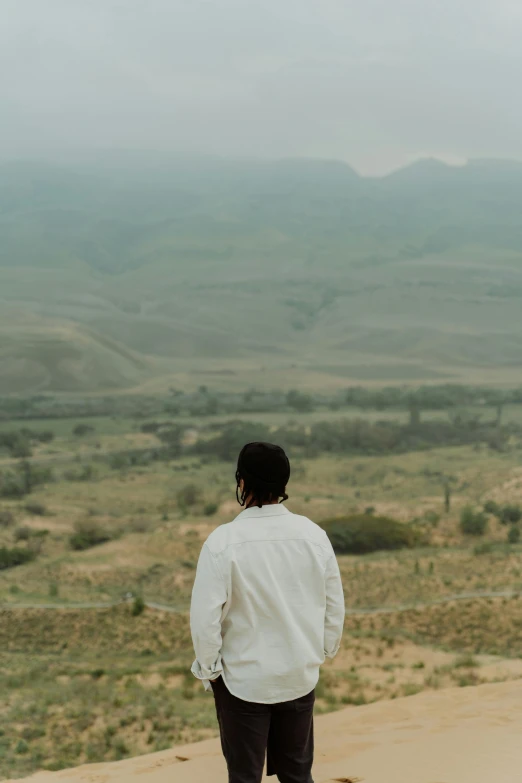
459 735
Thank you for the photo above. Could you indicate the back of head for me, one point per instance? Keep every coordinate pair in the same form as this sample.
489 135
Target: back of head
263 471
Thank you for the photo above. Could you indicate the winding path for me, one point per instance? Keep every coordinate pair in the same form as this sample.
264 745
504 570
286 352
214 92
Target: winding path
349 610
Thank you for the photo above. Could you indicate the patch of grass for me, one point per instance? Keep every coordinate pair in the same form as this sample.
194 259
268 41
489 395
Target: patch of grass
411 689
466 662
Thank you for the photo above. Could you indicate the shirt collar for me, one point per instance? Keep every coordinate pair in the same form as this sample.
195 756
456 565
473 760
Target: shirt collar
272 510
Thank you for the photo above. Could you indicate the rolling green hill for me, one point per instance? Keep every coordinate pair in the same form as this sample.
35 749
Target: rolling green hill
124 272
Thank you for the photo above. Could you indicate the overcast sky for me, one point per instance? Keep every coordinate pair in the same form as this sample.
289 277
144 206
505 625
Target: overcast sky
374 82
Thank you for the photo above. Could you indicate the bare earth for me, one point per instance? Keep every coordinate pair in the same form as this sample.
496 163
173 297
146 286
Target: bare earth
458 735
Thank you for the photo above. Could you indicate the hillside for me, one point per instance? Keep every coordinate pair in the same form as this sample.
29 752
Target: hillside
457 736
140 269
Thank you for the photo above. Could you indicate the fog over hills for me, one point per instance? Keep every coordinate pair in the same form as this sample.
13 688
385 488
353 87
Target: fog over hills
123 269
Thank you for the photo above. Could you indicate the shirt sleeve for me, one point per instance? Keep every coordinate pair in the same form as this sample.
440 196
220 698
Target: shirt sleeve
334 615
209 594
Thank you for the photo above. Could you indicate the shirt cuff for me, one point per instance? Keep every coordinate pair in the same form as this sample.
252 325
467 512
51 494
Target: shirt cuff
333 651
205 674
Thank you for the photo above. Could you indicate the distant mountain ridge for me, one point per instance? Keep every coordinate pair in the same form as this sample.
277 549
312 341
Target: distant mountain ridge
186 261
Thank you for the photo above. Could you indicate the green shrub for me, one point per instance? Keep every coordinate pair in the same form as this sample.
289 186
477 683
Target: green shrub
486 548
40 475
119 461
138 606
84 473
12 485
22 533
9 558
490 507
54 590
513 534
36 509
151 426
473 523
30 733
365 533
299 401
432 517
88 533
231 438
466 662
188 496
510 514
22 449
83 429
210 509
138 526
6 518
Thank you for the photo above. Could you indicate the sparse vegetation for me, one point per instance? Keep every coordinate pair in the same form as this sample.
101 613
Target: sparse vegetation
143 695
142 507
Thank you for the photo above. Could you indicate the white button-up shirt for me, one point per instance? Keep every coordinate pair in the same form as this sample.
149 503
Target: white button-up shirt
267 605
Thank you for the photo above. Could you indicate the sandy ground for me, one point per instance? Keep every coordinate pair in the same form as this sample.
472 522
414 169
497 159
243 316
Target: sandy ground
459 735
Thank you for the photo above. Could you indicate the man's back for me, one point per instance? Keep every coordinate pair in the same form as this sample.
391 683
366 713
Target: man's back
267 607
283 604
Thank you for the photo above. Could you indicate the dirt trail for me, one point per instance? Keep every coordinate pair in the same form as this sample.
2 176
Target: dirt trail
352 611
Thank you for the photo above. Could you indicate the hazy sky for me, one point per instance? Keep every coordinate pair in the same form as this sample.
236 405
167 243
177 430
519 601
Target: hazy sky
374 82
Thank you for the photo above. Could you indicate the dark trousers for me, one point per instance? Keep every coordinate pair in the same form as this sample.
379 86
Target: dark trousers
249 731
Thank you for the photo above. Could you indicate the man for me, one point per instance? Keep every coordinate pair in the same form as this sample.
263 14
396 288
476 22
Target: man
267 607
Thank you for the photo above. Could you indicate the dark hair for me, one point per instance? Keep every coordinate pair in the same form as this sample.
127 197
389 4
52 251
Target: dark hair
265 470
